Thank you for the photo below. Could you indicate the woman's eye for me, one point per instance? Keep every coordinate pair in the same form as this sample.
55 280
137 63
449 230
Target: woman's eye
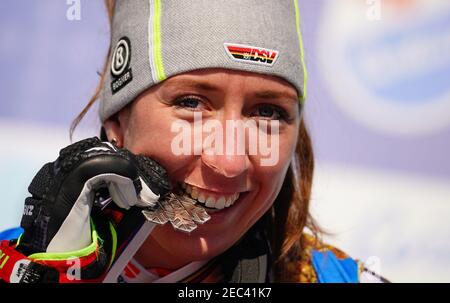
188 102
272 112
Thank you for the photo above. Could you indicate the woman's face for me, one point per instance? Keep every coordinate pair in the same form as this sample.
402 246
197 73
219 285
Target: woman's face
156 121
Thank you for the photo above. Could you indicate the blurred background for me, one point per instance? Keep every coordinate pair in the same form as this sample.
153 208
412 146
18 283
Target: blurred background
378 110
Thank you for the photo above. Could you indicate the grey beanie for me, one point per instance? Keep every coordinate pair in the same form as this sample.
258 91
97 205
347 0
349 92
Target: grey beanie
153 40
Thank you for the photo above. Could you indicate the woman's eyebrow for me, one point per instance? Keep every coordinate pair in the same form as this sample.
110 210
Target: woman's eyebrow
193 84
205 86
269 94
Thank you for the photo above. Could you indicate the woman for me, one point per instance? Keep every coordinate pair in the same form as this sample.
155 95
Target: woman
172 62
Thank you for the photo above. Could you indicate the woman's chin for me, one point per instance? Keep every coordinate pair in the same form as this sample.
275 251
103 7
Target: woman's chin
201 244
213 237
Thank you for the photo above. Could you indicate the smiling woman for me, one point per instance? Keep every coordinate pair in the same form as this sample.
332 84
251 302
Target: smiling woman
194 66
212 176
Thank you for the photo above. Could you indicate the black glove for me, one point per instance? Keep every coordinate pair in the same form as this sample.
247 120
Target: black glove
69 215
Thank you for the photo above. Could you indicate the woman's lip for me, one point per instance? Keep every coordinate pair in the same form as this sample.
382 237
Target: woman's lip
214 212
215 192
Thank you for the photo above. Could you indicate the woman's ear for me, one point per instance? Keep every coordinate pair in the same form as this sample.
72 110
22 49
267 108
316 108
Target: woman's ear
114 130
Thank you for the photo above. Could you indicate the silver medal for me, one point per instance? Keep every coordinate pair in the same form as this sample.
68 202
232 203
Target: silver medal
181 211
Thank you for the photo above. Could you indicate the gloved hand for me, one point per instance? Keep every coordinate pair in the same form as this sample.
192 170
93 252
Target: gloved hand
83 211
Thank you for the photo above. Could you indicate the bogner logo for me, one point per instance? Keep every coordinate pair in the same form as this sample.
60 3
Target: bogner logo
120 65
251 54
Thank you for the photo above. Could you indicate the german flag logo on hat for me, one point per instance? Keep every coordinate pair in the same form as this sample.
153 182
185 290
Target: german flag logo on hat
251 54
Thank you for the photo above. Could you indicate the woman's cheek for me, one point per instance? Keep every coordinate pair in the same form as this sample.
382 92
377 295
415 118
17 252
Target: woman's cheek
271 177
273 165
153 138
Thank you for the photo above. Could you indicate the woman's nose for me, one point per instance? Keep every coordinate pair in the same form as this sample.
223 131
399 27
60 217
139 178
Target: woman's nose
230 166
230 159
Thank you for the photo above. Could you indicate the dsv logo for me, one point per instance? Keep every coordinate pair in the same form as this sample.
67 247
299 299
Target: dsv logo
251 54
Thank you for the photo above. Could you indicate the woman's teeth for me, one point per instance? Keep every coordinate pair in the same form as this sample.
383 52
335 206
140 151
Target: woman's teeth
217 201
